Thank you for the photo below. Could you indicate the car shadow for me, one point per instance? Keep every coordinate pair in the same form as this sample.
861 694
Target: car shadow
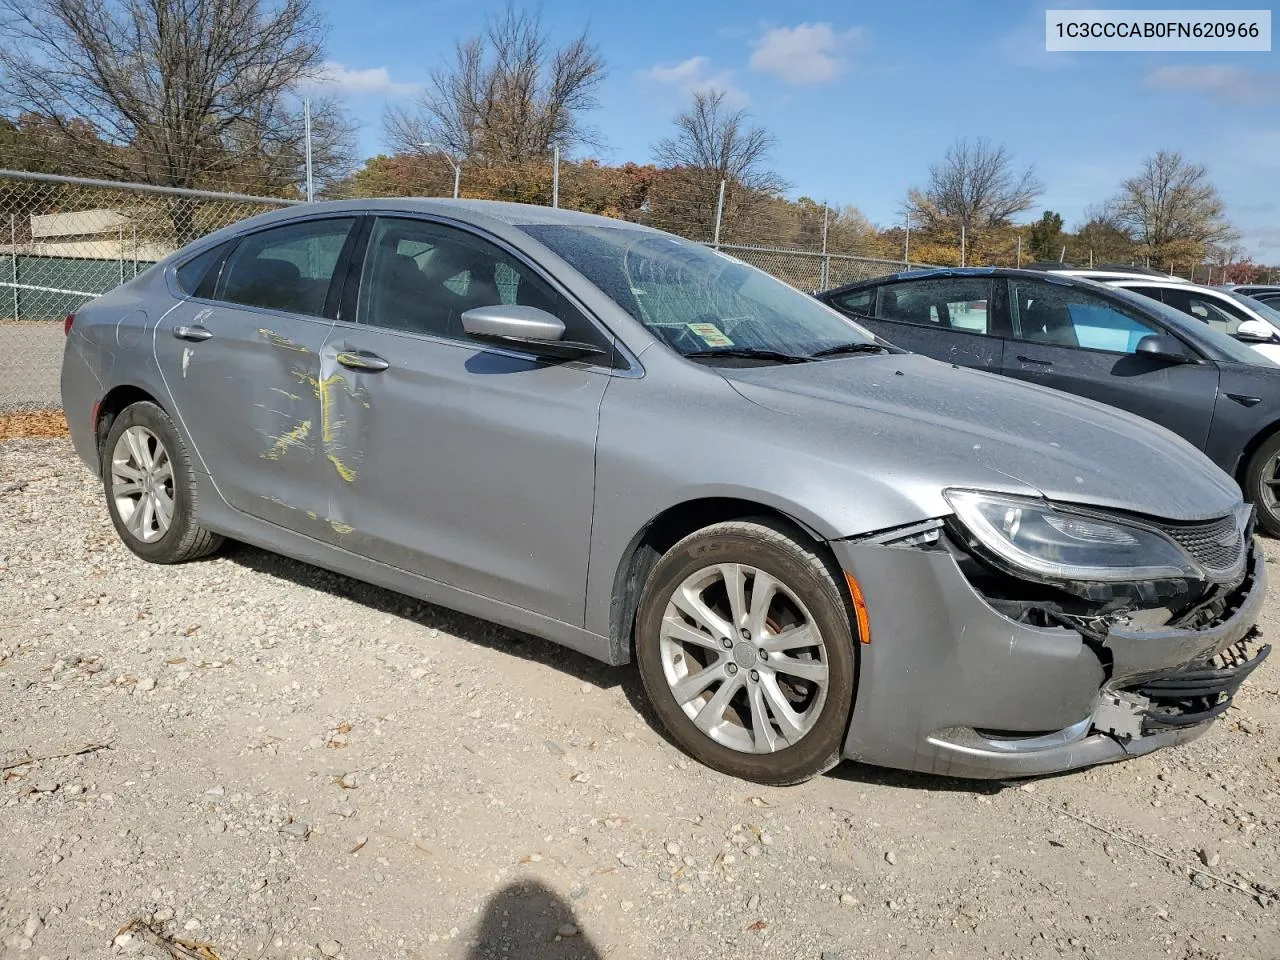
536 650
527 920
392 604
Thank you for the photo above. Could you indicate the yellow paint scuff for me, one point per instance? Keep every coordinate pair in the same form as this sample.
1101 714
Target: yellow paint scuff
294 438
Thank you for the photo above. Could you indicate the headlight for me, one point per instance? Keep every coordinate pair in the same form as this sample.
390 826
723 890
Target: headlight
1050 544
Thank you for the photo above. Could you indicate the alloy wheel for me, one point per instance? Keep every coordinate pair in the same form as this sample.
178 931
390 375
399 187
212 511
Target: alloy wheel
743 658
142 484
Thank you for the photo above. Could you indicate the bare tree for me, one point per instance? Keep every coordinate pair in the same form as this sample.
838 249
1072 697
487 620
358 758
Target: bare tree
1172 209
178 93
975 186
714 142
507 97
713 137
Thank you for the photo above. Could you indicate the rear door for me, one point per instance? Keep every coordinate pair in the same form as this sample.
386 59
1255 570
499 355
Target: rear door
1085 343
955 319
241 359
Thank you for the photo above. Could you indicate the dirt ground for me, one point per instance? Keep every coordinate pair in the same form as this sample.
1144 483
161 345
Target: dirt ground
263 760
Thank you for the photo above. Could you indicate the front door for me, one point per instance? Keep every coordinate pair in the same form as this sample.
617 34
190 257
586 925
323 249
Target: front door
242 364
468 463
1084 343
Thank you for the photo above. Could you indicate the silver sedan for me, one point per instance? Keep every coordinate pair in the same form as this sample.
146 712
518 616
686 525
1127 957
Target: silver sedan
813 544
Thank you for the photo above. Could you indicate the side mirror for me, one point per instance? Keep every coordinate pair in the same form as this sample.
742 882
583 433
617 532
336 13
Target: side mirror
524 328
1163 347
1255 331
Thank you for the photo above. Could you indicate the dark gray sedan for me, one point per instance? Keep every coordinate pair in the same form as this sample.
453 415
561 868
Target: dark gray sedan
813 545
1095 341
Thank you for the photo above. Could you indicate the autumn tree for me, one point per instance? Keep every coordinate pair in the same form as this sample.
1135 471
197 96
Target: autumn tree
713 142
1099 238
508 96
975 187
1172 210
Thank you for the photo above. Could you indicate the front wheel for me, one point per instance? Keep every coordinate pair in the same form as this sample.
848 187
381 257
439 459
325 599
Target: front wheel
1262 484
744 645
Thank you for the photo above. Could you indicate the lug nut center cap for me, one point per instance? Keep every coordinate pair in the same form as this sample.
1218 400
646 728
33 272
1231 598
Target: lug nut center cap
744 654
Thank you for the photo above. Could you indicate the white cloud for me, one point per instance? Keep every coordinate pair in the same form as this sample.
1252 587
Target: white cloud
695 75
1229 84
372 80
805 53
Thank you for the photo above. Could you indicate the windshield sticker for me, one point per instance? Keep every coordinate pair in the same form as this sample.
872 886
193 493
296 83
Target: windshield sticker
710 334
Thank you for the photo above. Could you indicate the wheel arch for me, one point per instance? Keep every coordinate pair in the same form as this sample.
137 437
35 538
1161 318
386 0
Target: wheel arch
112 405
663 531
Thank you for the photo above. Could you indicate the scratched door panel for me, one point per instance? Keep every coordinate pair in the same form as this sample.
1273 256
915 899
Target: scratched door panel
248 398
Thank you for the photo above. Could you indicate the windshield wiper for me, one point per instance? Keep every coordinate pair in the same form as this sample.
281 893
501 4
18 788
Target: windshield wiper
749 353
860 347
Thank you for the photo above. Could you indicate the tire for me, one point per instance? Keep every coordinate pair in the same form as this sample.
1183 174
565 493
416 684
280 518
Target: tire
1262 467
720 703
144 459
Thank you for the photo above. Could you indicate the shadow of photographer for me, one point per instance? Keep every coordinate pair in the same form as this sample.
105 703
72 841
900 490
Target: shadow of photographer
527 920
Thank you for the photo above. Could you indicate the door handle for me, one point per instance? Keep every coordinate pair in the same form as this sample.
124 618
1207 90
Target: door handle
196 333
1042 363
360 360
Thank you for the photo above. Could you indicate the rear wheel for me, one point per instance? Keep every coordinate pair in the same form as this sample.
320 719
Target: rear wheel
1262 484
151 488
746 653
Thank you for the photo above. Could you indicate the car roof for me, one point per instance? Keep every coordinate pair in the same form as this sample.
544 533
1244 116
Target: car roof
495 215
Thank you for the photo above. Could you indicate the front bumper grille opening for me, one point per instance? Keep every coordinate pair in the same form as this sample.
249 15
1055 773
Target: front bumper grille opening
1202 691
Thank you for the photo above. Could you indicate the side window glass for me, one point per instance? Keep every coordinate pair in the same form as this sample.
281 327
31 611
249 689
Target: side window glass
859 301
421 277
1223 317
286 268
1068 317
955 303
194 277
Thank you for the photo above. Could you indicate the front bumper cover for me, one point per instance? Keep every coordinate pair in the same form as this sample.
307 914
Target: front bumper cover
944 670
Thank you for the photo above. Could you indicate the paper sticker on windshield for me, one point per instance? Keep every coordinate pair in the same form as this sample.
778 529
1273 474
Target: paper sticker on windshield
710 334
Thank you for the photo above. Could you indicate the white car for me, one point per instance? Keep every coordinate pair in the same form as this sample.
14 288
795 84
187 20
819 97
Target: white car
1107 273
1235 314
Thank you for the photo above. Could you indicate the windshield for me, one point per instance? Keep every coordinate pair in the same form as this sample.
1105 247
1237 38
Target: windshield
1269 313
696 300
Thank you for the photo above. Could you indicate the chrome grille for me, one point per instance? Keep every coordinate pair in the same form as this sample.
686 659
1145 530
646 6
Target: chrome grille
1215 545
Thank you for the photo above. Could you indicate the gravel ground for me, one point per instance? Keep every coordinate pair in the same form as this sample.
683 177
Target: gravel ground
30 365
294 764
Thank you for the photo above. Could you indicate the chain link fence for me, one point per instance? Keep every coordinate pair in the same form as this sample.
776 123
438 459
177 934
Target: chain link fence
812 271
65 240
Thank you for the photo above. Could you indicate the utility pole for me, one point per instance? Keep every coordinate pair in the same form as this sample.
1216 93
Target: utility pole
962 245
555 180
1019 264
906 244
826 263
306 124
719 213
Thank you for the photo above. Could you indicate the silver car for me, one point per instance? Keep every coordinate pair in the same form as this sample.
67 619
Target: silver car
814 545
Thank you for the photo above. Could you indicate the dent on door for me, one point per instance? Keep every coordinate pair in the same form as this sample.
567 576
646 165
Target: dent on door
319 419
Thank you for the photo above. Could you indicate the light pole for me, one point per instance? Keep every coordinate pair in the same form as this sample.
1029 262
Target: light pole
457 170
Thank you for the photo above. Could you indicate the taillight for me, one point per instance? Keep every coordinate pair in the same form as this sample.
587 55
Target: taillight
67 323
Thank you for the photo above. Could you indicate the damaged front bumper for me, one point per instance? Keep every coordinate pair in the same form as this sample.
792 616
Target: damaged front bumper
949 685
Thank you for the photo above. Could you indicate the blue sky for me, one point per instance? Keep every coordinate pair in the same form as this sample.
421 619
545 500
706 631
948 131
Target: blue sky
862 97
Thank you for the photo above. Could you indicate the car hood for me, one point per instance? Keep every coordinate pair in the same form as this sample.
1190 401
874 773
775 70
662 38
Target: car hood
958 427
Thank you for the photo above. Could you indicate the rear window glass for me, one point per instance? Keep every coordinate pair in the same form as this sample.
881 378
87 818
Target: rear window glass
191 274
